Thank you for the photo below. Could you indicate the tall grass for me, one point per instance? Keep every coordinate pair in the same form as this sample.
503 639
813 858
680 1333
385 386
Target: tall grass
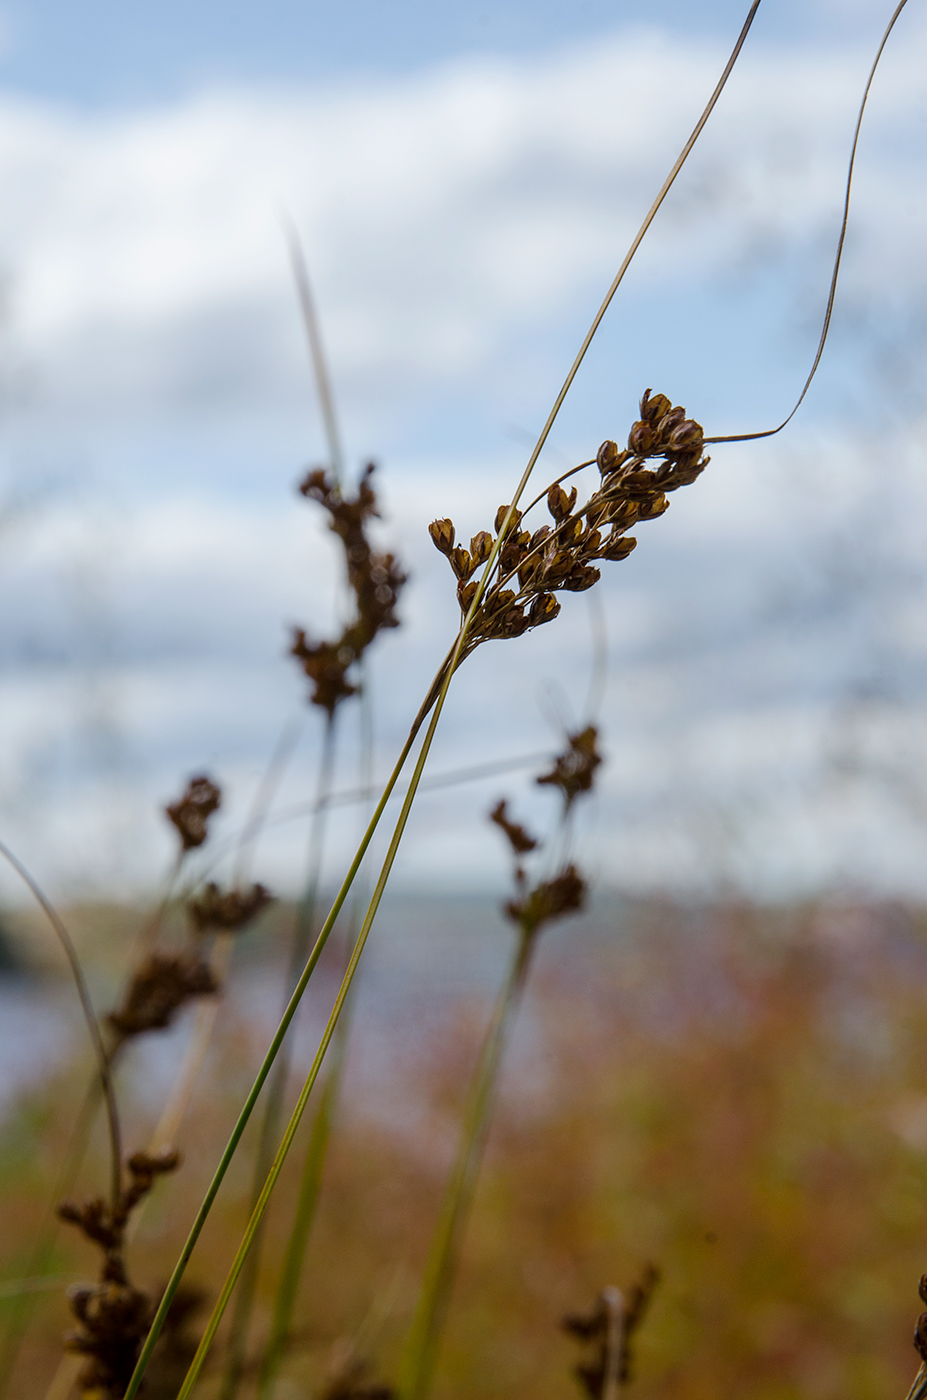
507 583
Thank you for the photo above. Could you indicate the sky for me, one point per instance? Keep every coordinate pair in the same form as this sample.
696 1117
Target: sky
464 181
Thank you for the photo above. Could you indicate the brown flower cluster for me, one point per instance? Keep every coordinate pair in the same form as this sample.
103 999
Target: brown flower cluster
159 987
191 812
547 901
594 1330
574 770
375 579
227 911
113 1316
532 568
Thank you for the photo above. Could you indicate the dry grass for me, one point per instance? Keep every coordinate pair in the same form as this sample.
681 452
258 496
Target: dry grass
734 1096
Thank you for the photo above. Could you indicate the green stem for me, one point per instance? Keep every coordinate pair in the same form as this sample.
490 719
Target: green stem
419 1356
447 675
305 1213
288 1286
270 1127
257 1086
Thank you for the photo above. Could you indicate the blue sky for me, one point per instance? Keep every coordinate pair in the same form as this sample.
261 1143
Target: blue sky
124 54
464 192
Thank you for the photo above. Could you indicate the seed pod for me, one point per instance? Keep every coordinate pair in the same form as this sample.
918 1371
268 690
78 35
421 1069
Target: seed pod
465 595
623 514
653 409
481 547
618 547
581 577
461 562
501 513
607 456
640 439
687 437
514 623
544 609
650 510
559 503
670 422
443 534
528 570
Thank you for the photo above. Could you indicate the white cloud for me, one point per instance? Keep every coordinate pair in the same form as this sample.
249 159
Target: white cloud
459 224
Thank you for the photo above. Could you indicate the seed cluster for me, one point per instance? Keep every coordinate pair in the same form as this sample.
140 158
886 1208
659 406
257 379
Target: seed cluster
191 812
113 1316
159 988
375 580
532 568
593 1330
574 770
535 905
227 911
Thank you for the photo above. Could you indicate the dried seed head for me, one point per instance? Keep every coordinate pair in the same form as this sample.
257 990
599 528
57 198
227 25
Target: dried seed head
560 502
481 547
163 983
499 521
608 456
552 899
640 439
466 592
228 910
443 534
375 579
519 839
581 577
167 1159
618 548
326 664
544 609
654 408
190 813
564 556
462 562
574 769
652 509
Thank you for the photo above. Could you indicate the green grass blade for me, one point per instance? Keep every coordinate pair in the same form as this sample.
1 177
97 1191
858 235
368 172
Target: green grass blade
420 1353
270 1127
248 1107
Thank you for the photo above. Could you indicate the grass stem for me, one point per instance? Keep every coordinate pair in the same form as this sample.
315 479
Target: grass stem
417 1364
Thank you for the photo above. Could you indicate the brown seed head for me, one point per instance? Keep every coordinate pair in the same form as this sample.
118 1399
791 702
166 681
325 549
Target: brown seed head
654 407
228 910
560 502
574 769
443 534
190 813
481 547
550 900
163 983
519 839
501 513
462 562
608 456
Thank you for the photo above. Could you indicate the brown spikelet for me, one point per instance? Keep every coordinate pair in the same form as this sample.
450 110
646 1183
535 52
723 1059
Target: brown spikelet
190 813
